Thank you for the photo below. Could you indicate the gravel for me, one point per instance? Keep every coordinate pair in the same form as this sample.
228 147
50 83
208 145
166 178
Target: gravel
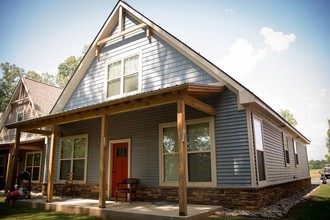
278 210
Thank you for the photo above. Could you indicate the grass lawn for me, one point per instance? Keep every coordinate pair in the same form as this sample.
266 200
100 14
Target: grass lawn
16 212
315 173
316 207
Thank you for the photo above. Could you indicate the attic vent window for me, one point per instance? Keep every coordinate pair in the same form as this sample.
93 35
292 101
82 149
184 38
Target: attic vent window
123 76
20 116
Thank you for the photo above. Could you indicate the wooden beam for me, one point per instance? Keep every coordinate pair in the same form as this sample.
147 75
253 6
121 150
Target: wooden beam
97 52
51 169
8 173
13 163
182 150
103 150
111 108
112 37
37 131
149 34
199 105
120 19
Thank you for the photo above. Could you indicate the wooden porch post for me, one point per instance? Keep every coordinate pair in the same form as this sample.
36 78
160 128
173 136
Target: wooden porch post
103 150
13 163
182 150
51 168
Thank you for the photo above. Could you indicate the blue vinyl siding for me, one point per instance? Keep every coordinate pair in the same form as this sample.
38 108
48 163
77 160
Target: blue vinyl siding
142 127
162 66
277 170
232 148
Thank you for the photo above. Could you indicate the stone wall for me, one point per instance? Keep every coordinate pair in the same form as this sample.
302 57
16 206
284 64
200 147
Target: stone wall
233 198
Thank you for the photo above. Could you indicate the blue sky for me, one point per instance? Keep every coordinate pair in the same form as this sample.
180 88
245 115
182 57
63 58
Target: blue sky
278 49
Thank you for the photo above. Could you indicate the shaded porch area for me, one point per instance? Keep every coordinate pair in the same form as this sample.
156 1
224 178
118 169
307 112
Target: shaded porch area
121 210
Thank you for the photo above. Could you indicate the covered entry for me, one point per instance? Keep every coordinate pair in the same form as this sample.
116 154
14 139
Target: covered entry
181 95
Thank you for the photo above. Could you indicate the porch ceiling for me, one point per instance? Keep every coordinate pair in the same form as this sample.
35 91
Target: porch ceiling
187 92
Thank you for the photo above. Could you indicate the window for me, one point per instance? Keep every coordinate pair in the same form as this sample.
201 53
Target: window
259 145
3 165
20 116
123 76
295 152
200 148
73 157
286 149
33 165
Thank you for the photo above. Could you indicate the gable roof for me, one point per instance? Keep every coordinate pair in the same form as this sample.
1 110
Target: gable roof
41 96
245 96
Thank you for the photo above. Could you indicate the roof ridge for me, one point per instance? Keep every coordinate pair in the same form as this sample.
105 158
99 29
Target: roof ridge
47 84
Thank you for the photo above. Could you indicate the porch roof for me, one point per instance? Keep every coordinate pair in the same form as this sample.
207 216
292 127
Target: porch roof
188 92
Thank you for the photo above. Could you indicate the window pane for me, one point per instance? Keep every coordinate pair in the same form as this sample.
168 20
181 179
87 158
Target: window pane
29 160
78 169
131 83
37 159
171 167
65 168
198 136
2 171
261 165
66 149
20 116
170 140
131 65
199 167
114 87
2 160
258 134
79 148
29 169
35 173
114 70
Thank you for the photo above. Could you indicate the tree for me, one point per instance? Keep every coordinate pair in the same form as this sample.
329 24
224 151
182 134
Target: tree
327 141
288 117
43 77
11 75
68 67
33 75
66 70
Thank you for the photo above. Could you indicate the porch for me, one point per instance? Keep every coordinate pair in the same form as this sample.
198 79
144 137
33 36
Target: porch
121 210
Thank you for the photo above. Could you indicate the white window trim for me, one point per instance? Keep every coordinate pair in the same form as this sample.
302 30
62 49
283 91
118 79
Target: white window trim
59 159
4 166
210 120
295 152
117 58
262 182
286 139
21 112
40 166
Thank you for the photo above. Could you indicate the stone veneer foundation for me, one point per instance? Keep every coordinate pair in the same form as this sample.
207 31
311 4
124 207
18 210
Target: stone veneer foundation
233 198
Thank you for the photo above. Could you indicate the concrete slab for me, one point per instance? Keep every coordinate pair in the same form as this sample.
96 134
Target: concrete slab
120 210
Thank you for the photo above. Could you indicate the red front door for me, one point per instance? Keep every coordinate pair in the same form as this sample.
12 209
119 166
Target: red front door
119 164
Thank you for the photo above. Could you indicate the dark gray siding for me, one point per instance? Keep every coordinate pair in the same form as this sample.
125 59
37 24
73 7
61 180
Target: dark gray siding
277 171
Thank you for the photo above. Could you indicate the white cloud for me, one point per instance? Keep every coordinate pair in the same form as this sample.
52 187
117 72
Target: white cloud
241 57
229 11
277 41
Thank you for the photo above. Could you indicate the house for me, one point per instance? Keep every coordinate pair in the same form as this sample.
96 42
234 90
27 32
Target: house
143 104
31 99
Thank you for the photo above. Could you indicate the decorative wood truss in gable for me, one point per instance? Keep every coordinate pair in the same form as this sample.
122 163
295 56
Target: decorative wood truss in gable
121 31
